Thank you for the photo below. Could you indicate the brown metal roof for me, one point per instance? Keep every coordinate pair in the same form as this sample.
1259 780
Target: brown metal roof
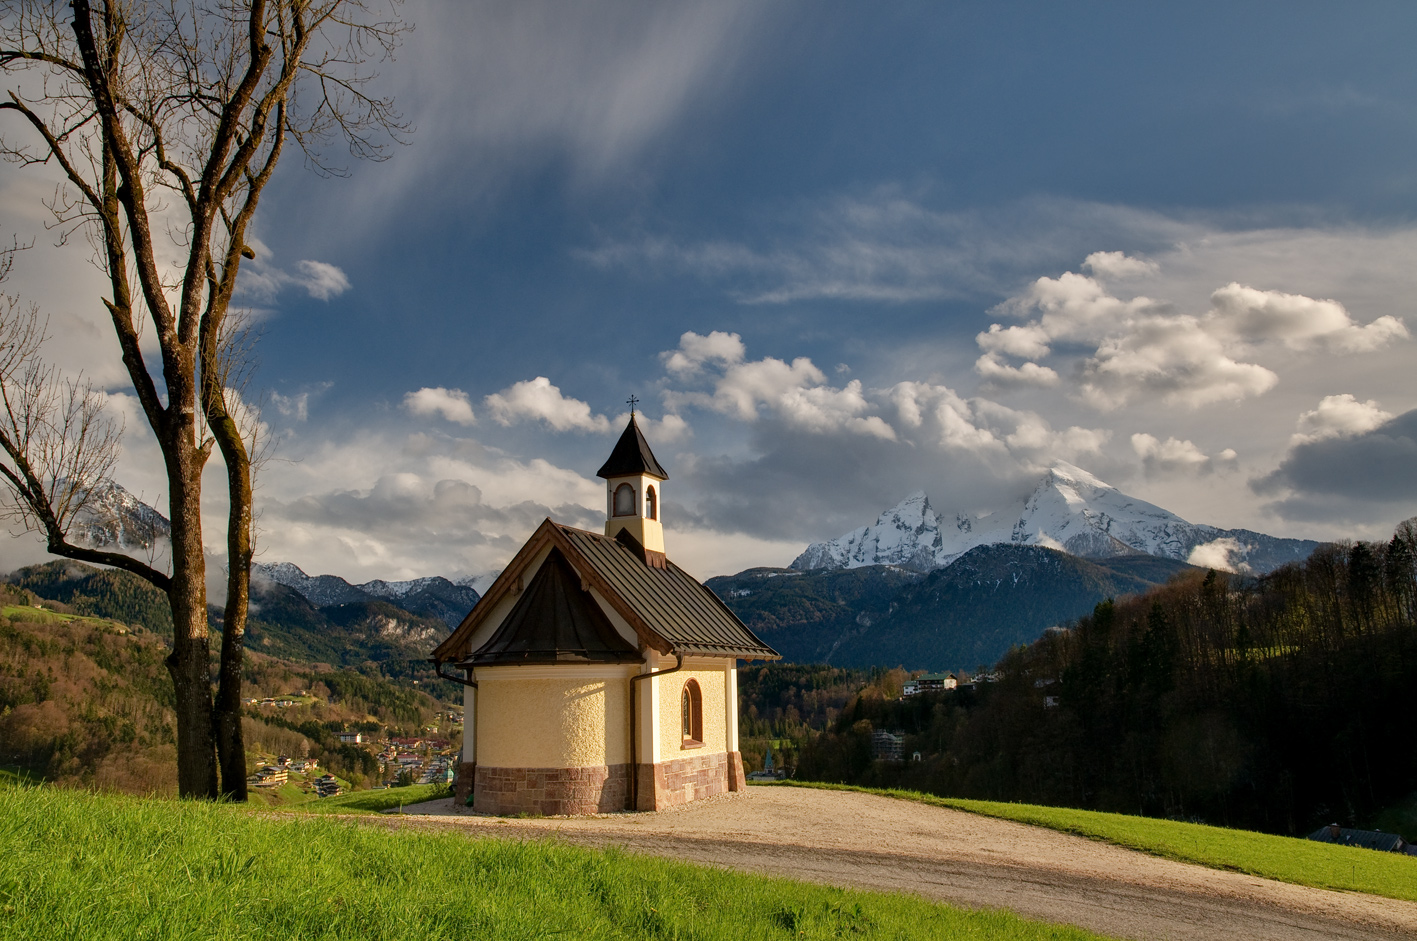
669 600
631 456
555 621
666 607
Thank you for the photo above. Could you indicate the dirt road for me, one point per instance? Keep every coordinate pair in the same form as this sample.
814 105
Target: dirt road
865 841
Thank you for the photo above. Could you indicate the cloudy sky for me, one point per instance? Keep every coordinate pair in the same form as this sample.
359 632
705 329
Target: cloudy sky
840 253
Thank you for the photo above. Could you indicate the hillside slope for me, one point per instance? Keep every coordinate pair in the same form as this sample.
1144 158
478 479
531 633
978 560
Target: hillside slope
967 614
991 599
88 701
282 622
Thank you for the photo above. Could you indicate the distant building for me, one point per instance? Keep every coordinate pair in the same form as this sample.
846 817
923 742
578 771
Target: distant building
1366 839
886 746
931 683
269 777
352 738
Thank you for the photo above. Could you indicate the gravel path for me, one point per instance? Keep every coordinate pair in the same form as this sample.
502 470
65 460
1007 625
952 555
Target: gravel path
865 841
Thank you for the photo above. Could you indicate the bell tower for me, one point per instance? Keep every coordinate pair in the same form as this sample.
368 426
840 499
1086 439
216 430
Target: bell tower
633 479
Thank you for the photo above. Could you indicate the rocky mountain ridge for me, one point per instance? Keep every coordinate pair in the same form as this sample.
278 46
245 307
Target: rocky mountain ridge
432 596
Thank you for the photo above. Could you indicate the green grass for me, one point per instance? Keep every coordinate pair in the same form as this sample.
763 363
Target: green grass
11 776
31 613
1283 858
373 802
88 867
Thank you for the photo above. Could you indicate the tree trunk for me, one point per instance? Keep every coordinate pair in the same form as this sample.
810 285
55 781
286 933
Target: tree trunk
231 748
189 662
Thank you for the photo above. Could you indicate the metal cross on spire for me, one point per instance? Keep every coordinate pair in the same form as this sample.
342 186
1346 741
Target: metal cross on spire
632 401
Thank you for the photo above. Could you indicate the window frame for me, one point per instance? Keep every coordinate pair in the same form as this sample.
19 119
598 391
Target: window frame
615 501
651 503
691 714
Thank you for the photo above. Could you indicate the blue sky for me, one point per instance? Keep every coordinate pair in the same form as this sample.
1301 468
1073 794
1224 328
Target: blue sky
788 228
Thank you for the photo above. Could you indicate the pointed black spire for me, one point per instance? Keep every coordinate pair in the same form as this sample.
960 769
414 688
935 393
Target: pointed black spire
631 456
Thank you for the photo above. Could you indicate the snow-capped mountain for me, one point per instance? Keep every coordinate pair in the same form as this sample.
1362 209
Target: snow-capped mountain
1070 510
433 596
115 519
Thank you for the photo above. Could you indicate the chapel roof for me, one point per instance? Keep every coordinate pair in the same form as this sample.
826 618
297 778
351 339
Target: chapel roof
555 621
669 610
631 456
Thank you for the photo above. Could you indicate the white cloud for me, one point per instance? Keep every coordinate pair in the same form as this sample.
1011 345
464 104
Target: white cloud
1029 342
798 393
262 280
671 429
1172 358
295 407
1171 455
321 280
1000 373
537 399
1339 416
1118 265
1297 321
451 404
1217 555
694 351
1074 307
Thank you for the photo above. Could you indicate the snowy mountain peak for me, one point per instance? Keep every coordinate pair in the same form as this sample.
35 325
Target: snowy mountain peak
1072 474
113 518
1070 510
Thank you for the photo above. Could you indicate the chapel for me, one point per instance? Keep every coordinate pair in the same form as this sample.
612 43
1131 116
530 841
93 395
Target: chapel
599 676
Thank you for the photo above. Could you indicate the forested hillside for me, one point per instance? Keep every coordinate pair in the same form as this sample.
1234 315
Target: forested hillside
372 635
87 701
1276 703
961 616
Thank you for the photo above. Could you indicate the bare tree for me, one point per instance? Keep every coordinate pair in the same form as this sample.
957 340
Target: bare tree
166 119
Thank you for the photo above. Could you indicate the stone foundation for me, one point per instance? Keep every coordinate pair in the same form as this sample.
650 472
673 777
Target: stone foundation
737 779
671 783
551 791
462 782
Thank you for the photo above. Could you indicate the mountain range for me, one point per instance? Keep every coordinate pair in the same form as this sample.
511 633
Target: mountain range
1069 510
915 588
434 596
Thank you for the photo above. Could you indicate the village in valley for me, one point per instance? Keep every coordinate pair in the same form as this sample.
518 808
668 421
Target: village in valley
718 470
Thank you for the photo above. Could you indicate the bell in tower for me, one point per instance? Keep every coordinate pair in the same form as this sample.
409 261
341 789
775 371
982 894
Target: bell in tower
632 490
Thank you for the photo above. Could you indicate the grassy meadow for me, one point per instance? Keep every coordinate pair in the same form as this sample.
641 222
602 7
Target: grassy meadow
1286 859
78 866
373 802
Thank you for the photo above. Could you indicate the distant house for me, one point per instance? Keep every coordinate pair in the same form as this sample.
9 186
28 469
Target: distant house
269 777
931 683
327 786
1366 839
352 738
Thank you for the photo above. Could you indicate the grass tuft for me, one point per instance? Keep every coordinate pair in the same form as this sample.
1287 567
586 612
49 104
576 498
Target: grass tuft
84 866
1283 858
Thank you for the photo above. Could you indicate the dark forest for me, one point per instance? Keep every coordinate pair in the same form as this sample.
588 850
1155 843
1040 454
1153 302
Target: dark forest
1276 703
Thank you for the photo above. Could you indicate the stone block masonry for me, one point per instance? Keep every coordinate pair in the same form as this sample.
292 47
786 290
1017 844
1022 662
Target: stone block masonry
598 790
671 783
551 791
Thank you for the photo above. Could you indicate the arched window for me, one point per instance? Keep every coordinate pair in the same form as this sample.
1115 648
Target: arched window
691 710
651 503
624 500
